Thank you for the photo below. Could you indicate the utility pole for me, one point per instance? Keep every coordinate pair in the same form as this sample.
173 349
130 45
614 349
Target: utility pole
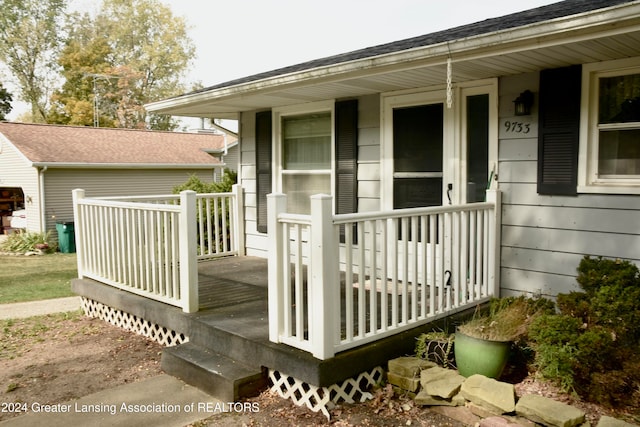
96 111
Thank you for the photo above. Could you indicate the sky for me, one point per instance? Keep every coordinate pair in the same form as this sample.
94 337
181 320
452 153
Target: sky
239 38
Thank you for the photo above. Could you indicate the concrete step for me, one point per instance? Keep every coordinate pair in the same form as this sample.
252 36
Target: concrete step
212 372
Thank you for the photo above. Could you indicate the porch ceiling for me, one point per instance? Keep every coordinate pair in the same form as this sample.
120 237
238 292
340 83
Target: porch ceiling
517 51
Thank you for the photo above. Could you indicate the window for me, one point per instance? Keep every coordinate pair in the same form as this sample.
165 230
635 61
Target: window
619 127
610 155
305 146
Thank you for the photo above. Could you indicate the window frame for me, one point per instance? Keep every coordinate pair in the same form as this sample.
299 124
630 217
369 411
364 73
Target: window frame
588 179
278 144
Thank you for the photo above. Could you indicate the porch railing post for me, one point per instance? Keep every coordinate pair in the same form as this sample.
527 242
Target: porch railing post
78 194
276 205
188 252
324 276
495 197
238 228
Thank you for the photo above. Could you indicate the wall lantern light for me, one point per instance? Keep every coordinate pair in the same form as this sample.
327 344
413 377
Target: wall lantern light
523 103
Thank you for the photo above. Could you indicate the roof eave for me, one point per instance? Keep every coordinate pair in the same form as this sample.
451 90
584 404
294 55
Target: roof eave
71 165
611 20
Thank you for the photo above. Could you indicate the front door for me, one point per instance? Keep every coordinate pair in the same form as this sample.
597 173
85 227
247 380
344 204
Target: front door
434 154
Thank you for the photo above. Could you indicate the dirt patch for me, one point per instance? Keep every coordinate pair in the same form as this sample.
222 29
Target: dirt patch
58 358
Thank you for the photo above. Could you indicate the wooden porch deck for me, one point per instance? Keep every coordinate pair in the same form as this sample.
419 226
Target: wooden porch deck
233 322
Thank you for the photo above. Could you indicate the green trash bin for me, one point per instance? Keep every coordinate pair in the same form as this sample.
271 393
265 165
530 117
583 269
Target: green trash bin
66 237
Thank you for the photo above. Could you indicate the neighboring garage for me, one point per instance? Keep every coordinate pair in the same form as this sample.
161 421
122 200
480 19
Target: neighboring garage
40 165
12 213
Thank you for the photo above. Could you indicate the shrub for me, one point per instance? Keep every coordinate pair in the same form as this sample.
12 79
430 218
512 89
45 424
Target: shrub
596 273
224 186
26 241
196 184
587 347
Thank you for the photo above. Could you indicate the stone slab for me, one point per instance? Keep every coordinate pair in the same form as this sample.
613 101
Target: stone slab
408 366
458 413
405 383
548 411
425 399
606 421
441 382
495 396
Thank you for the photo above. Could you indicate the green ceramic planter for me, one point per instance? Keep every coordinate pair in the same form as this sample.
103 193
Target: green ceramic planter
478 356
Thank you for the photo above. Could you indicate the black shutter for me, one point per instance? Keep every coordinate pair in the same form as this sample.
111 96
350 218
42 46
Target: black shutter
346 134
346 123
263 166
559 130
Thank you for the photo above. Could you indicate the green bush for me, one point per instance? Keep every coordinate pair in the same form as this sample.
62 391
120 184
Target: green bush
224 186
591 345
596 273
196 184
26 241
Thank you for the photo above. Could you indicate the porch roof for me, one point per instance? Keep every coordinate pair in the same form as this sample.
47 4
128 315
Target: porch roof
556 35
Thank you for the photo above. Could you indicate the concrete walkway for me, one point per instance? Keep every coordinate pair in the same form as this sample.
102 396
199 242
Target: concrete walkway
162 401
21 310
159 401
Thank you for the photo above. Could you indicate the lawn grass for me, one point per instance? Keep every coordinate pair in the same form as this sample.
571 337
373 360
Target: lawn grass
36 277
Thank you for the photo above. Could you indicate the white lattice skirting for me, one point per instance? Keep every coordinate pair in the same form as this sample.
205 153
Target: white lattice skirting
321 399
127 321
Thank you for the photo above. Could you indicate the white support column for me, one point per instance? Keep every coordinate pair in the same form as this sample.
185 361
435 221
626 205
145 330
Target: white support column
323 294
188 252
495 197
78 194
239 219
276 205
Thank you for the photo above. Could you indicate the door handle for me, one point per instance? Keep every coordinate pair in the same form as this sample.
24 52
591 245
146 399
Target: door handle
449 189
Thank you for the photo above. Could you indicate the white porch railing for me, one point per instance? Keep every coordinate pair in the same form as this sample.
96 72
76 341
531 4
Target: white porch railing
340 281
150 245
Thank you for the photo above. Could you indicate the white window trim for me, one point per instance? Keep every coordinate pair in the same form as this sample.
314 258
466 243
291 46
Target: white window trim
588 180
454 135
298 110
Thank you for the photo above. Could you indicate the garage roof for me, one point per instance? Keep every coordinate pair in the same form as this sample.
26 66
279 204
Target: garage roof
75 146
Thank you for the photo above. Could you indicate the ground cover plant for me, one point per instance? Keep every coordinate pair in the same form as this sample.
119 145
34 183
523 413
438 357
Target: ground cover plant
590 347
506 319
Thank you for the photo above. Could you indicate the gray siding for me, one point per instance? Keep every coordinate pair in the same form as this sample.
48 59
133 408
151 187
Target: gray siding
16 171
256 242
369 154
231 161
59 183
544 237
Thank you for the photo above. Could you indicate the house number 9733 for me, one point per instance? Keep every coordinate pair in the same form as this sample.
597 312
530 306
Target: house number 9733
517 127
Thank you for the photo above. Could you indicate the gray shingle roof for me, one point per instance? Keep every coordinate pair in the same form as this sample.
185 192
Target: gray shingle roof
531 16
50 144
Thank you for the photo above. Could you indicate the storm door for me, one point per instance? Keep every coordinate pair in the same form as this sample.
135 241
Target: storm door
418 156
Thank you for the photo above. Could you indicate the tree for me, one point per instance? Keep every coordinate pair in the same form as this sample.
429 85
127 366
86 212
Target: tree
5 102
85 70
133 52
29 42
